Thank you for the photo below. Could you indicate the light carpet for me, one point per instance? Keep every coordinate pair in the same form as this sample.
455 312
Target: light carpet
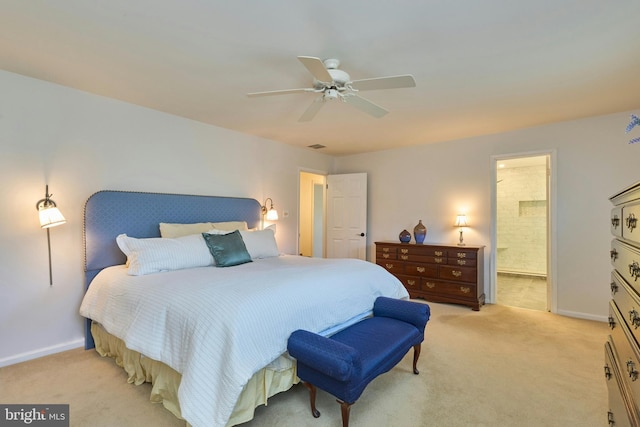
501 366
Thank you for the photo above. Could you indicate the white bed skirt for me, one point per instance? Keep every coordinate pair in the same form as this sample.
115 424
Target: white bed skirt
165 380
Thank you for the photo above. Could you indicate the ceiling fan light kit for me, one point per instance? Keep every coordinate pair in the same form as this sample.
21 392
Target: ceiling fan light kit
334 84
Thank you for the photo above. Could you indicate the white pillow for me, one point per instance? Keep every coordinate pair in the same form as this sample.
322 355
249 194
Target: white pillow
228 225
260 243
172 230
178 230
146 256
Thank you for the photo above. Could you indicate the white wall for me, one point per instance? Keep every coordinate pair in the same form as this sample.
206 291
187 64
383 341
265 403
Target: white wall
79 144
433 182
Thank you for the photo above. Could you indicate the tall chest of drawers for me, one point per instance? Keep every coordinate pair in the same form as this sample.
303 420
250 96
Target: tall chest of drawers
622 353
437 273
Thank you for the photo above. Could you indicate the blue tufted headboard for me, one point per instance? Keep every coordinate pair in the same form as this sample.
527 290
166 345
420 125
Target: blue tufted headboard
110 213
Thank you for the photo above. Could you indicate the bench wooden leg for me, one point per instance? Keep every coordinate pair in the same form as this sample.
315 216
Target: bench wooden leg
312 399
345 407
416 355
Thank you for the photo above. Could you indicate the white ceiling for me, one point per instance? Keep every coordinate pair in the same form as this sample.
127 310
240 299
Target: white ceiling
481 66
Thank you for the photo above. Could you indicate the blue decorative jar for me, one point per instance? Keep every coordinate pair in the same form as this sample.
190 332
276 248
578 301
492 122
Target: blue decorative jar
405 236
419 232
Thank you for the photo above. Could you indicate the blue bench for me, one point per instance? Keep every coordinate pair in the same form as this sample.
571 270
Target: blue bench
345 363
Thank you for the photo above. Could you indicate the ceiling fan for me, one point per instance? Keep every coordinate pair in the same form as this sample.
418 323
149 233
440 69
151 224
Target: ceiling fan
334 84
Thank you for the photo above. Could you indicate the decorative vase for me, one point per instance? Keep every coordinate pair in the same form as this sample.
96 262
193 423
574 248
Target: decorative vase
405 236
419 232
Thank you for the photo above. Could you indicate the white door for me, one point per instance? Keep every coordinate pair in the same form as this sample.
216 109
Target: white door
347 216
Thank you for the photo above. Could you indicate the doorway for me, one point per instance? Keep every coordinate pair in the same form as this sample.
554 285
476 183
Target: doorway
332 218
522 231
311 234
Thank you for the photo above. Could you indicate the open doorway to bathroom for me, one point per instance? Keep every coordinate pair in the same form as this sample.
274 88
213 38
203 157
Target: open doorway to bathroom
522 189
311 221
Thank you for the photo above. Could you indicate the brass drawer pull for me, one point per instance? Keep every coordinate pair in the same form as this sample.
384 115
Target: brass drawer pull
612 322
411 282
631 221
404 257
634 318
389 266
631 370
614 288
385 255
430 285
615 221
438 260
456 273
462 254
385 249
420 269
462 261
404 251
465 289
607 372
634 270
438 253
613 254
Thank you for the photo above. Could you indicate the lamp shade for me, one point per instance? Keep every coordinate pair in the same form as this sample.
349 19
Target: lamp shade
50 217
272 215
461 221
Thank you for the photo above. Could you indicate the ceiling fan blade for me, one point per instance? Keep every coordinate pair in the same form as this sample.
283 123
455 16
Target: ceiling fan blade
365 105
316 68
391 82
280 92
312 110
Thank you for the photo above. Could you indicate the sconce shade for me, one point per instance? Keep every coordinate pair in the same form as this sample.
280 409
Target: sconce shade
51 217
271 214
461 221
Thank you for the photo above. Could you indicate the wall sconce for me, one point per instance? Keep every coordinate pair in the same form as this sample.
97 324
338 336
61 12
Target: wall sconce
50 216
461 222
271 213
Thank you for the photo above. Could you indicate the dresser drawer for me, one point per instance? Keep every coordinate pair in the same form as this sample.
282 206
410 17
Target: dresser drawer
461 254
463 274
414 257
381 256
423 270
628 302
383 249
626 351
629 222
446 288
626 260
618 394
419 250
393 267
465 262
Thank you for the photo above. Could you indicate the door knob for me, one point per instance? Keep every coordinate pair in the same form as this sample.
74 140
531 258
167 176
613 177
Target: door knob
361 234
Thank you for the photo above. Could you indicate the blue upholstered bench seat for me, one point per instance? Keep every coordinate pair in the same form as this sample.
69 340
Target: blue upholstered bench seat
345 363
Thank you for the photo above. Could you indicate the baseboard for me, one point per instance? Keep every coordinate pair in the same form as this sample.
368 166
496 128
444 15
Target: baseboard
23 357
585 316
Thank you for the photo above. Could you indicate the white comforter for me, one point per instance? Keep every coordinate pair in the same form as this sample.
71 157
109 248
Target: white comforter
218 326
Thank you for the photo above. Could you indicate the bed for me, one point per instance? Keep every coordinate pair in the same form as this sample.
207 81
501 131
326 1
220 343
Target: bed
211 339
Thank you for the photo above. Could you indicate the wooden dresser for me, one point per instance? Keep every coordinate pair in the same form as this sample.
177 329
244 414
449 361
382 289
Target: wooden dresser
438 273
622 353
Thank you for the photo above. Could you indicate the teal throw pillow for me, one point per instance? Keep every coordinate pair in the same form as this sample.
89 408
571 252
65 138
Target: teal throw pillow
227 249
